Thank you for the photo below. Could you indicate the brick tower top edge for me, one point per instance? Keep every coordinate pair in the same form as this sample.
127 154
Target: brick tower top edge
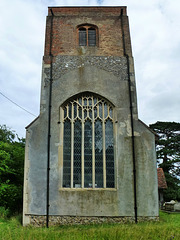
64 23
83 10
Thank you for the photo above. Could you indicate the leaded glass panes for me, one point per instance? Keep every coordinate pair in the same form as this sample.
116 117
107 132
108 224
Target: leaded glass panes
105 110
75 110
87 36
95 112
90 102
69 110
85 101
98 154
80 100
90 113
87 154
92 37
67 154
80 112
110 112
109 154
88 146
77 155
82 37
85 113
100 110
95 100
65 112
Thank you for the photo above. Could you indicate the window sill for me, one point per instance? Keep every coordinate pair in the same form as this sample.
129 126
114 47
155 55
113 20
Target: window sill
87 189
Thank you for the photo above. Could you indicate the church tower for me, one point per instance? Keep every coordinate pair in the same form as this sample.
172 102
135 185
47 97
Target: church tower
89 159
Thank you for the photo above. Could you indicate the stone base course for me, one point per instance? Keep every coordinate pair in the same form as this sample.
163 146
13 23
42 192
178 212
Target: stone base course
40 221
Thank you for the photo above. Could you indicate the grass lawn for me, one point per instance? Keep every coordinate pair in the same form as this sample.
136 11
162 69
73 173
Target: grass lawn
167 228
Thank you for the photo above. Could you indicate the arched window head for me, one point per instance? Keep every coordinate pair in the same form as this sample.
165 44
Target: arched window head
87 35
88 143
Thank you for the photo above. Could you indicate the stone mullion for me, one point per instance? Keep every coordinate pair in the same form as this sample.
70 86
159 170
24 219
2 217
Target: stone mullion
114 121
60 148
104 148
82 149
72 144
93 148
87 42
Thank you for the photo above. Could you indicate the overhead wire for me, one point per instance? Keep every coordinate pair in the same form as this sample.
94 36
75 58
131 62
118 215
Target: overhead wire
17 104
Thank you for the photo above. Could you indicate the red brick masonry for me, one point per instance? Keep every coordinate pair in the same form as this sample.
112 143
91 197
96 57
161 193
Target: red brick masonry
161 179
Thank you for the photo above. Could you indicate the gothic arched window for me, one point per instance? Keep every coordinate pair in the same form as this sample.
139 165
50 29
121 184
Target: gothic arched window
88 145
87 35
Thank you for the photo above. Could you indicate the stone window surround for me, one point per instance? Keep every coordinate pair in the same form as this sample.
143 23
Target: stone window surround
87 26
82 187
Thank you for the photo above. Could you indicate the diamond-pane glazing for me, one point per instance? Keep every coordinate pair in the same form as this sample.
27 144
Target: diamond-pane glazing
67 154
87 154
98 154
77 154
109 154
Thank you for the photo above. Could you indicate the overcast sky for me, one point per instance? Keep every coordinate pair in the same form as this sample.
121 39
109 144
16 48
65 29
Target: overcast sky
155 37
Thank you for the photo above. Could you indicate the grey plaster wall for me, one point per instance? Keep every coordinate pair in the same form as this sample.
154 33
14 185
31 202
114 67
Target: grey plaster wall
107 77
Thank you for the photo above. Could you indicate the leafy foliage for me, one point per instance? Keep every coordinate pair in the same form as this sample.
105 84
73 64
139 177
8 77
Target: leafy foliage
168 155
11 170
6 135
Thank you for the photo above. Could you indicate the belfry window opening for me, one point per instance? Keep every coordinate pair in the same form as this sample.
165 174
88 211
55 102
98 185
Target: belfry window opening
88 145
87 36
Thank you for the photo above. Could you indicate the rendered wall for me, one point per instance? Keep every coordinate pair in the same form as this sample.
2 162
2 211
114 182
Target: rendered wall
100 70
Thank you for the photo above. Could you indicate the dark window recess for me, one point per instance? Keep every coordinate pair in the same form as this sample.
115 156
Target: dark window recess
91 37
82 37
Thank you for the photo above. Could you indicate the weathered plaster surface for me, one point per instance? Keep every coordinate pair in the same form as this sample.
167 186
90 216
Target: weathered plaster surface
105 76
119 202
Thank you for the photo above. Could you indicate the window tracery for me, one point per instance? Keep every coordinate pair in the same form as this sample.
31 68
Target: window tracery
88 145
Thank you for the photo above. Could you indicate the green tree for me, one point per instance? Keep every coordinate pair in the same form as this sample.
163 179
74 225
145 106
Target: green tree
11 170
6 135
168 156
